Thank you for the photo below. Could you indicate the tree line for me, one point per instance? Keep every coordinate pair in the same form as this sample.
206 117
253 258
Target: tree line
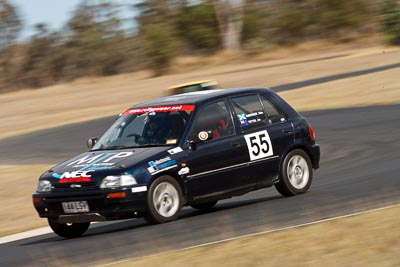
94 41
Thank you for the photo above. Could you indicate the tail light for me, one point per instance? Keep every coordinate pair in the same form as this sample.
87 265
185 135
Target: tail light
311 131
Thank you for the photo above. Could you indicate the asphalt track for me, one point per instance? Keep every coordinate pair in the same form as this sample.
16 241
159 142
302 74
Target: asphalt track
359 171
56 144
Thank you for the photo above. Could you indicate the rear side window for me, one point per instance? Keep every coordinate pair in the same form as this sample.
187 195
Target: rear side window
273 115
249 112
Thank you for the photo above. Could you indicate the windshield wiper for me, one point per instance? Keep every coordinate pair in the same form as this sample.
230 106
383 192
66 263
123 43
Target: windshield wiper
152 145
113 147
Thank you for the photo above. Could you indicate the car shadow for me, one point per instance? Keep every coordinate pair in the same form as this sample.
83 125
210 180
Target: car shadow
131 224
226 206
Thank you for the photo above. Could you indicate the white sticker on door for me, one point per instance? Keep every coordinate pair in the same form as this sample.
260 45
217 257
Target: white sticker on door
259 145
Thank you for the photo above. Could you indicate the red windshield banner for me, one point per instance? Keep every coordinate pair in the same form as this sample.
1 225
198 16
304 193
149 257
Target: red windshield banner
159 109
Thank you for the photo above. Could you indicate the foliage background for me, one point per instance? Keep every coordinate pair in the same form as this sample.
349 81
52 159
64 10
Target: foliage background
94 43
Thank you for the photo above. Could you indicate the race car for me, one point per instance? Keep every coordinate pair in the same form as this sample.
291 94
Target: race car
192 87
191 149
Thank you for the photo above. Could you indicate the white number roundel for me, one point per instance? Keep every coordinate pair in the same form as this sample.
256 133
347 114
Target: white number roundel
259 145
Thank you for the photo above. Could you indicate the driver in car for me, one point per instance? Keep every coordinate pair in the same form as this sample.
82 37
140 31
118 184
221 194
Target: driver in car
154 130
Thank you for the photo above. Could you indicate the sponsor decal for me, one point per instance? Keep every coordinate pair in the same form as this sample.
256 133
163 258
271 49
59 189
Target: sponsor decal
171 142
161 165
99 162
175 150
254 120
183 171
254 114
243 120
73 177
259 145
244 123
242 117
159 109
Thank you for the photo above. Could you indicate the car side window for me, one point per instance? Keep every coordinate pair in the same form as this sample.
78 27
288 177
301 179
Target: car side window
273 115
249 112
216 118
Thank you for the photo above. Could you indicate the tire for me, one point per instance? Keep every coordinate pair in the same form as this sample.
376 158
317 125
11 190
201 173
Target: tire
68 230
296 174
164 200
204 206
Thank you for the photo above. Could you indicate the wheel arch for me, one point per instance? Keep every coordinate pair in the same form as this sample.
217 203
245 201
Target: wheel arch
297 146
176 177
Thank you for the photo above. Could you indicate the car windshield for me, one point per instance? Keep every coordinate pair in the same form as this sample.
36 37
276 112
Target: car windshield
146 126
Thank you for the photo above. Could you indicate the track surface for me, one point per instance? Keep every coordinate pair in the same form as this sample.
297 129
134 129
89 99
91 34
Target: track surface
359 171
54 145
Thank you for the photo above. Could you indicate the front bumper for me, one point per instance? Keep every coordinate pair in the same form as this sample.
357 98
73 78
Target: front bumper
101 206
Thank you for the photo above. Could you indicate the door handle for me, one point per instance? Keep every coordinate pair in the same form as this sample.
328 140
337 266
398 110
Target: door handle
236 144
287 131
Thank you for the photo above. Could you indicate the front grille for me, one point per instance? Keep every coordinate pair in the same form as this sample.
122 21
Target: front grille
75 187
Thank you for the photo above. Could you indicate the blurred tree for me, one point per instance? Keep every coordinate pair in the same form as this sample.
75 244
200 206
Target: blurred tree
158 11
10 24
291 23
253 24
334 16
94 39
198 26
230 21
44 59
390 22
159 44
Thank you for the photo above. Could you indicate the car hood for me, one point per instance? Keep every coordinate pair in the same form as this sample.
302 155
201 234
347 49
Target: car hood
103 162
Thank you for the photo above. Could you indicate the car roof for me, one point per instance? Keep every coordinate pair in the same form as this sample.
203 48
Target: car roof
200 96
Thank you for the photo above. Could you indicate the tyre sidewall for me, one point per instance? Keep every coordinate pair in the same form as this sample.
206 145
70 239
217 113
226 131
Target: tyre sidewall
284 179
152 214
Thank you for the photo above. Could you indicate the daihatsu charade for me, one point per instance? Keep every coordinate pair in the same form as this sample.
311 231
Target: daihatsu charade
185 150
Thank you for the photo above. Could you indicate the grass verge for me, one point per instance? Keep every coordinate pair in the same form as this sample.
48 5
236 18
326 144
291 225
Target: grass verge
371 239
17 184
92 98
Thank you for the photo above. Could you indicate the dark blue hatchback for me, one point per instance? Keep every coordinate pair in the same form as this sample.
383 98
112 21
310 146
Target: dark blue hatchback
184 150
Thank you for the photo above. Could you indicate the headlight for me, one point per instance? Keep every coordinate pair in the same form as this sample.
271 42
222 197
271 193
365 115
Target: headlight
118 181
43 186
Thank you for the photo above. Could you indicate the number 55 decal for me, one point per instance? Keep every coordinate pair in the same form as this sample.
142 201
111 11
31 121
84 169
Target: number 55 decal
259 145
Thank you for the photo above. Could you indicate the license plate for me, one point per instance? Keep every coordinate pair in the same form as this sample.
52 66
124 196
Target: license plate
75 206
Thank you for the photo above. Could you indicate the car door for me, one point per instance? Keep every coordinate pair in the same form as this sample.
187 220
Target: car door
266 136
216 164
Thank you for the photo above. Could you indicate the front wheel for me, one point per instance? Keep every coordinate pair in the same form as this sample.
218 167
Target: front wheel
69 230
164 200
296 174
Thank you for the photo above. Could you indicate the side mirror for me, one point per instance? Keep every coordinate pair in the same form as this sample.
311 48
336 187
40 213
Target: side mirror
91 142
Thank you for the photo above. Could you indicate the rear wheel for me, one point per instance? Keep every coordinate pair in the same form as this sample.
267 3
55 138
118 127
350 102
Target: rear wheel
204 206
68 230
164 200
296 173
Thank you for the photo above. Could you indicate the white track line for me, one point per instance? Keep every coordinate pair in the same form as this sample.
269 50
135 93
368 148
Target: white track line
290 227
27 234
261 233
